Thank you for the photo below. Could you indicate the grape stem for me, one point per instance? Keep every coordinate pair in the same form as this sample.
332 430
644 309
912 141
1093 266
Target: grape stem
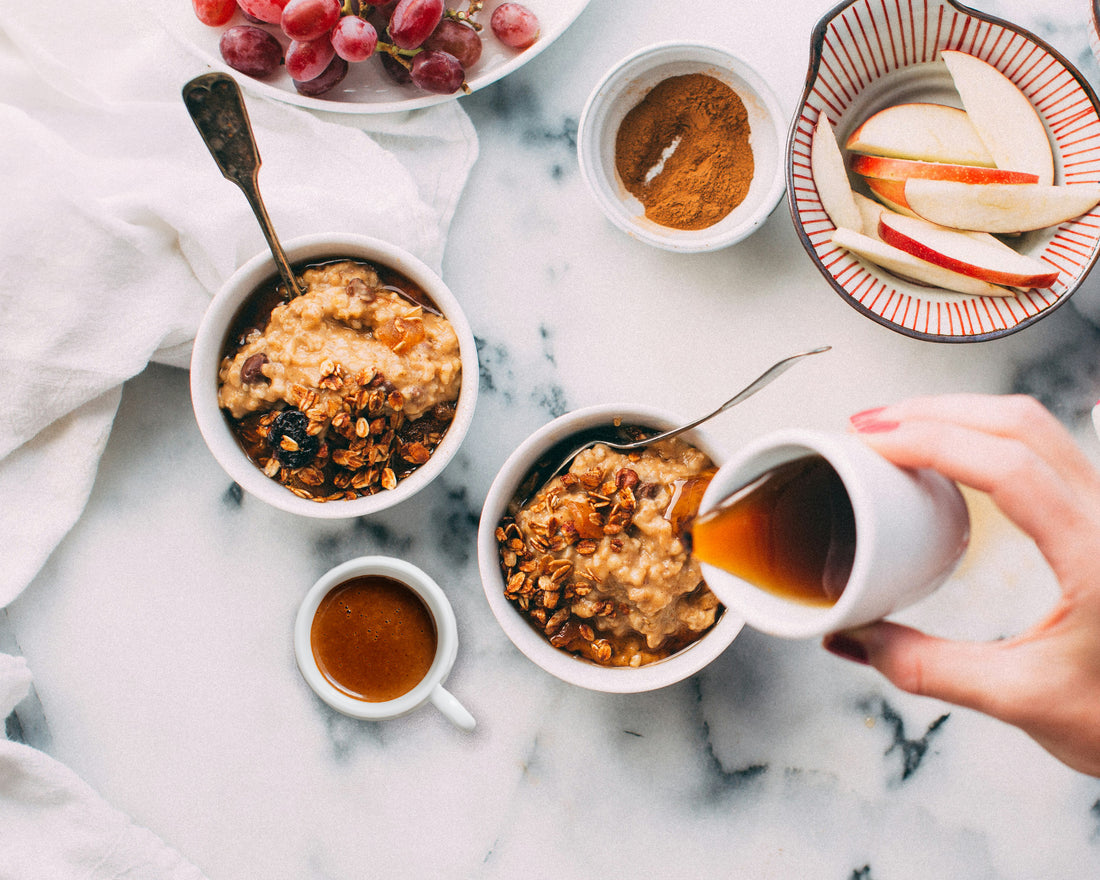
466 16
402 55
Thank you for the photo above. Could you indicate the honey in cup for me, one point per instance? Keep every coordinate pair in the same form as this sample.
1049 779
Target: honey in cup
791 532
373 638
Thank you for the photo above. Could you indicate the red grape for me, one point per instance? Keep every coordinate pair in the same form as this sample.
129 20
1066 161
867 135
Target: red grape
397 71
306 20
214 12
514 25
413 21
251 50
436 71
328 78
354 39
269 11
383 9
305 61
459 39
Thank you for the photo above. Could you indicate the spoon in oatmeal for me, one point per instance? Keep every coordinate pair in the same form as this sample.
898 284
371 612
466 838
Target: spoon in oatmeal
217 109
560 456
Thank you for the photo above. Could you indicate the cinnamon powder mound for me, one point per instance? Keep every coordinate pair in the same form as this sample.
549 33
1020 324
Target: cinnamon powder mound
684 151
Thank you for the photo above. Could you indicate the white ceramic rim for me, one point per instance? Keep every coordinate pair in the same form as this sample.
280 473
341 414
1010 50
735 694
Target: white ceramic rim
210 340
603 182
496 63
438 605
560 664
787 618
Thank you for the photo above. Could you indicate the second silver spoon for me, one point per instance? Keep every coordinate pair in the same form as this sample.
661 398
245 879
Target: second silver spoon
550 465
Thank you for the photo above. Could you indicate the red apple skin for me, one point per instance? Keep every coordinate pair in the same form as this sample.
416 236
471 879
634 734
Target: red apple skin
891 191
906 266
887 168
904 239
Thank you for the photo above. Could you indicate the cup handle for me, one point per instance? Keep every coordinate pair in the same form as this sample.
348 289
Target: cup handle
456 713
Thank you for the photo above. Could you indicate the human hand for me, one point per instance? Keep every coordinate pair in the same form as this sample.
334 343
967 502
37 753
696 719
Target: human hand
1046 680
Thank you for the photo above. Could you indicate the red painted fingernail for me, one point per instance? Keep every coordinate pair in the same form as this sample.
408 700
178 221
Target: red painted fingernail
868 422
875 426
866 414
843 645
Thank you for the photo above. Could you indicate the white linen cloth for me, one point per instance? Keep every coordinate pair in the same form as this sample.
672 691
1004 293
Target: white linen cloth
53 825
116 227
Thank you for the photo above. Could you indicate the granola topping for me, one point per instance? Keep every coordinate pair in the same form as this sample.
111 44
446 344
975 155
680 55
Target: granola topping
596 560
344 390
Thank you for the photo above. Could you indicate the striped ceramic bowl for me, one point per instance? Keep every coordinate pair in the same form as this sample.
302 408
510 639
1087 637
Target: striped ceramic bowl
868 54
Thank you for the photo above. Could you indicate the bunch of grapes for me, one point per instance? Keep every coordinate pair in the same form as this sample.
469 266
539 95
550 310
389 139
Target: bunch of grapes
425 43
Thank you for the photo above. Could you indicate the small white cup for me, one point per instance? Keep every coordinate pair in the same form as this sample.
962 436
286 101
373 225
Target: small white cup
430 688
912 528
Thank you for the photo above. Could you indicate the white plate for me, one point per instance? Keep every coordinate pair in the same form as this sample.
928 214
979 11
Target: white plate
367 88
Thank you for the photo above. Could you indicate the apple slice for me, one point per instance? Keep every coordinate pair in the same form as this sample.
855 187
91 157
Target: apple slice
998 207
1003 116
909 267
890 192
964 253
903 169
929 132
831 177
895 187
869 211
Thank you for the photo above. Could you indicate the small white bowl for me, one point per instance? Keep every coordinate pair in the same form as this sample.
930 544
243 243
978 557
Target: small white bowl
559 663
429 689
210 342
624 86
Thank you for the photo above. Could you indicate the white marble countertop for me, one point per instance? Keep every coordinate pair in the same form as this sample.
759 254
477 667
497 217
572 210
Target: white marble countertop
159 632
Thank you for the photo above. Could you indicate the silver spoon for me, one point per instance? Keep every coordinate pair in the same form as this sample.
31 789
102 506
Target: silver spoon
550 465
217 109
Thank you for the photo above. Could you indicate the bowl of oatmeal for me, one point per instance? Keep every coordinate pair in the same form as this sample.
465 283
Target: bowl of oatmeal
588 574
346 399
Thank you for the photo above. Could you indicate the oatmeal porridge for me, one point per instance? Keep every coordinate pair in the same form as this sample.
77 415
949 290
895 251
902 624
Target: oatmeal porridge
343 390
597 561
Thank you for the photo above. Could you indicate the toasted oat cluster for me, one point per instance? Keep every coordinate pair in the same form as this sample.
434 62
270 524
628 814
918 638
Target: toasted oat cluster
596 559
344 390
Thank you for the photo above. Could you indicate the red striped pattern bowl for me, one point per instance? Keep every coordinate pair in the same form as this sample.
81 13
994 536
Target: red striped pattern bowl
868 54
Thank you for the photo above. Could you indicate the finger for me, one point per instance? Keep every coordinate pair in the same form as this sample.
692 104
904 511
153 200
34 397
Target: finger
1021 483
979 676
1017 416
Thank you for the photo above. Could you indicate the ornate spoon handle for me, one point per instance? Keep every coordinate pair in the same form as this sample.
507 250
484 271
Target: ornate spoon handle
217 109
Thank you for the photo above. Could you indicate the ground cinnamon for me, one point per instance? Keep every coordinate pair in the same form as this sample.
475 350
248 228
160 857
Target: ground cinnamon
684 151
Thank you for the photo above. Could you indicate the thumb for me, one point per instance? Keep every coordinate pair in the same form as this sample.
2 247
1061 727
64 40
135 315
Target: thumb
976 675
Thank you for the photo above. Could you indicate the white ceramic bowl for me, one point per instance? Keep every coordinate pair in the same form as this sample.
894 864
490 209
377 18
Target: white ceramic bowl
210 341
558 663
866 55
624 86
